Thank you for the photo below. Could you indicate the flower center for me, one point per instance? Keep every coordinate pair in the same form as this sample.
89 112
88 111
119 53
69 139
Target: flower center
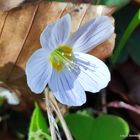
61 57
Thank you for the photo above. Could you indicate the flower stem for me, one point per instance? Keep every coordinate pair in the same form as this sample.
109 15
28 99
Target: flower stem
60 116
103 100
50 115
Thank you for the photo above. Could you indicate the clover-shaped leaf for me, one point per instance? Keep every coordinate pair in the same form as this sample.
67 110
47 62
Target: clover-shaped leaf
108 127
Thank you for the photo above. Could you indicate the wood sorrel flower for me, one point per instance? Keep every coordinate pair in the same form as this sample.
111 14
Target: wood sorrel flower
63 64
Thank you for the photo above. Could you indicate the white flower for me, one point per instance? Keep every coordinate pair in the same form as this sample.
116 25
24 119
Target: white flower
62 63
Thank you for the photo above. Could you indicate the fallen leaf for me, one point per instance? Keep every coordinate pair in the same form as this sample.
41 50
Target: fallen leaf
6 5
105 49
137 1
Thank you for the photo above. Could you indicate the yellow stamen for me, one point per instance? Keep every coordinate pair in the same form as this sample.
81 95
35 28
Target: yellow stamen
60 56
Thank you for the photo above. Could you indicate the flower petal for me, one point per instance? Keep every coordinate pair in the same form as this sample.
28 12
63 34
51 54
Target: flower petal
92 34
94 74
56 33
38 70
67 89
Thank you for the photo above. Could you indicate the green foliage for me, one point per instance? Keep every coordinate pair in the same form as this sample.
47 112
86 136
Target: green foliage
130 39
134 49
38 127
2 99
117 3
129 30
109 127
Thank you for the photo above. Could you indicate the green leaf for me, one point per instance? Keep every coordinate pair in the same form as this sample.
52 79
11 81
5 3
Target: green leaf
117 3
2 99
126 36
84 127
81 126
134 47
111 127
38 125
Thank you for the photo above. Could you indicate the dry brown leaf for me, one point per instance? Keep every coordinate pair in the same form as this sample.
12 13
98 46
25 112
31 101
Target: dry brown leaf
20 31
6 5
137 1
105 49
